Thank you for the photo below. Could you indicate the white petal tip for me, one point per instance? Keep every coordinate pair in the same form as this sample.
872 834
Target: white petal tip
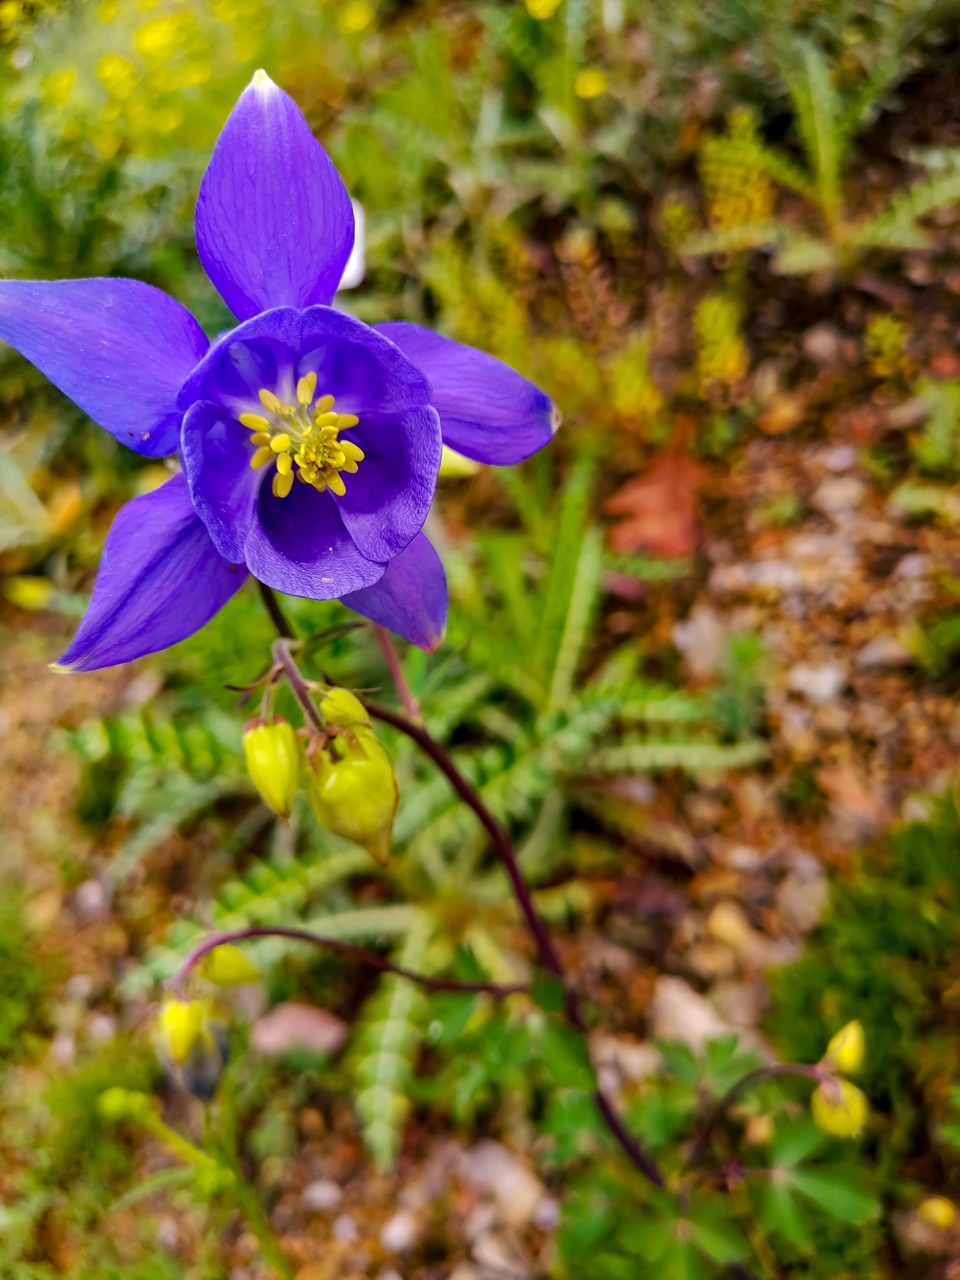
60 669
261 82
556 420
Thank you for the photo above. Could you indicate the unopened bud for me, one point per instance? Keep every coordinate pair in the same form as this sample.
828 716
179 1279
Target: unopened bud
846 1050
273 762
340 707
179 1026
839 1108
353 790
124 1104
938 1211
194 1044
227 966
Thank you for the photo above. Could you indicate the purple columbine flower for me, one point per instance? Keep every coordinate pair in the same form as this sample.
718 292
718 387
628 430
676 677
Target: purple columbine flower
309 442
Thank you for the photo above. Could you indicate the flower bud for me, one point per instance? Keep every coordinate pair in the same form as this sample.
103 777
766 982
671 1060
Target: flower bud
273 762
846 1050
340 707
124 1104
353 791
938 1211
194 1044
839 1108
227 966
179 1026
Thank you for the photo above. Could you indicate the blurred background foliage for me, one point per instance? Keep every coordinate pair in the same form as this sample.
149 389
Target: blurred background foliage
640 206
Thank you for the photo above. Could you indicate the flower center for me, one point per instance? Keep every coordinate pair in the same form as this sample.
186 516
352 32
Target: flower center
303 436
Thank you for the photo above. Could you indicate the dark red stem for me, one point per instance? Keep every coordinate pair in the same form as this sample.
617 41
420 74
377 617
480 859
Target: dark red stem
371 958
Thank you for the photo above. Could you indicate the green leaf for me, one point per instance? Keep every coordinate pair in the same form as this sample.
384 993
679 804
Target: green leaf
565 1056
165 1180
779 1212
547 992
794 1140
841 1192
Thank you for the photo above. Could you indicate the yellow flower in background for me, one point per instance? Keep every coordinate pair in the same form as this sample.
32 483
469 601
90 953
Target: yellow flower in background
58 86
846 1050
736 185
117 75
591 82
839 1108
542 9
722 356
938 1211
157 40
355 16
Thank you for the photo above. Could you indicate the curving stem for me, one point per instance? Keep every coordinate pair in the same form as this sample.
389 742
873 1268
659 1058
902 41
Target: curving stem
546 947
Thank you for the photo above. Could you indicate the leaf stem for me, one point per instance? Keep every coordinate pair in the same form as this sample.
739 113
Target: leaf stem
392 659
371 958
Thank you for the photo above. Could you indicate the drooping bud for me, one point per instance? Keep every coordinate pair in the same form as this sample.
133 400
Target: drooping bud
846 1050
353 790
273 762
227 966
194 1044
340 707
179 1026
938 1211
839 1108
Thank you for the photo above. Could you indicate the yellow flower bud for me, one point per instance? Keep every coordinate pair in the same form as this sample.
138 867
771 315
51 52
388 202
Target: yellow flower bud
193 1043
353 790
273 762
591 82
341 707
180 1025
846 1050
938 1211
839 1108
227 966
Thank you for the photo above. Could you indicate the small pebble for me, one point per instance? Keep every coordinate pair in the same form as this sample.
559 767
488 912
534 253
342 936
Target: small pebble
321 1196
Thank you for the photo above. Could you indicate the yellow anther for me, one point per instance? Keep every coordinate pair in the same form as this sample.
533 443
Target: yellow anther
306 388
326 419
261 458
351 451
324 404
284 464
271 402
280 443
260 437
336 484
254 421
347 420
282 484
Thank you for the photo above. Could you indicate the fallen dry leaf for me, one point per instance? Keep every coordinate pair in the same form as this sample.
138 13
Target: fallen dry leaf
660 509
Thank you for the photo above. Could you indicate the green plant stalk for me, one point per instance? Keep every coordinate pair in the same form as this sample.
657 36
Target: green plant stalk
540 934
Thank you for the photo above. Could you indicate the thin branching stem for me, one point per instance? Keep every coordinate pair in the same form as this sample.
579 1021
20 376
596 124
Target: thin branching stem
392 659
546 947
769 1072
372 959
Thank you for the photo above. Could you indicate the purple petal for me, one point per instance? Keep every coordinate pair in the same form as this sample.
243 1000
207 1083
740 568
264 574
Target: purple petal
118 348
223 488
160 580
353 363
487 411
274 221
410 598
388 497
299 546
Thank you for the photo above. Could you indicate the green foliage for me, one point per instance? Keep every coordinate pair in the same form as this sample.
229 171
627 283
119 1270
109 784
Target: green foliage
885 953
22 982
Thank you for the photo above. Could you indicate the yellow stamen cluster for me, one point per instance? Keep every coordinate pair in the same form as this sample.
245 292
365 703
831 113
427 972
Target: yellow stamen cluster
305 434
